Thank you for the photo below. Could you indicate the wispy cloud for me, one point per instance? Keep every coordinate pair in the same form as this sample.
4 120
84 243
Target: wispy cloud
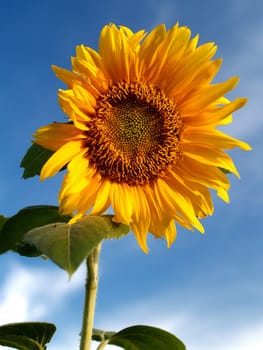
164 11
199 330
30 293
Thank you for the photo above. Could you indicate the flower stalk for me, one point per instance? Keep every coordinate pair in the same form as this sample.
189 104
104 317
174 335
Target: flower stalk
90 298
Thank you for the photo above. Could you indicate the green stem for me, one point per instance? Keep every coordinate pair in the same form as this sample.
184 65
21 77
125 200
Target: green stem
103 344
90 298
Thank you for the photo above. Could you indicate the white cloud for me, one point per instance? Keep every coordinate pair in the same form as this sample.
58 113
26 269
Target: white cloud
198 331
30 293
250 338
26 292
244 338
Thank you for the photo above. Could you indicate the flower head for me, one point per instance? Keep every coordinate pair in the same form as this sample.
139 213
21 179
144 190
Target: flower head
142 135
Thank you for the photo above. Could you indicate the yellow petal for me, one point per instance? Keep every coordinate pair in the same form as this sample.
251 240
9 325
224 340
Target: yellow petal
89 194
81 201
114 52
60 158
120 196
71 107
214 137
141 216
223 195
65 75
78 177
207 95
194 190
170 233
207 175
213 116
55 135
103 198
211 156
176 202
189 68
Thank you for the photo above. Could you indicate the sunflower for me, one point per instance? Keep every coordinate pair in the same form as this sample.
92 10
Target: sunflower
142 131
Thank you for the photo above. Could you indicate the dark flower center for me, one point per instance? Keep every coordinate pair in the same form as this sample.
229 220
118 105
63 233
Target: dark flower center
135 134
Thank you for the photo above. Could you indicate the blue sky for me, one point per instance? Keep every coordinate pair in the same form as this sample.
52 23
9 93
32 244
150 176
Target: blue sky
206 289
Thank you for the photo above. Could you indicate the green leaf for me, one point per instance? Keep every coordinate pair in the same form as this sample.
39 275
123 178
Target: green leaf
13 230
225 171
3 220
34 159
27 336
146 338
25 249
67 245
